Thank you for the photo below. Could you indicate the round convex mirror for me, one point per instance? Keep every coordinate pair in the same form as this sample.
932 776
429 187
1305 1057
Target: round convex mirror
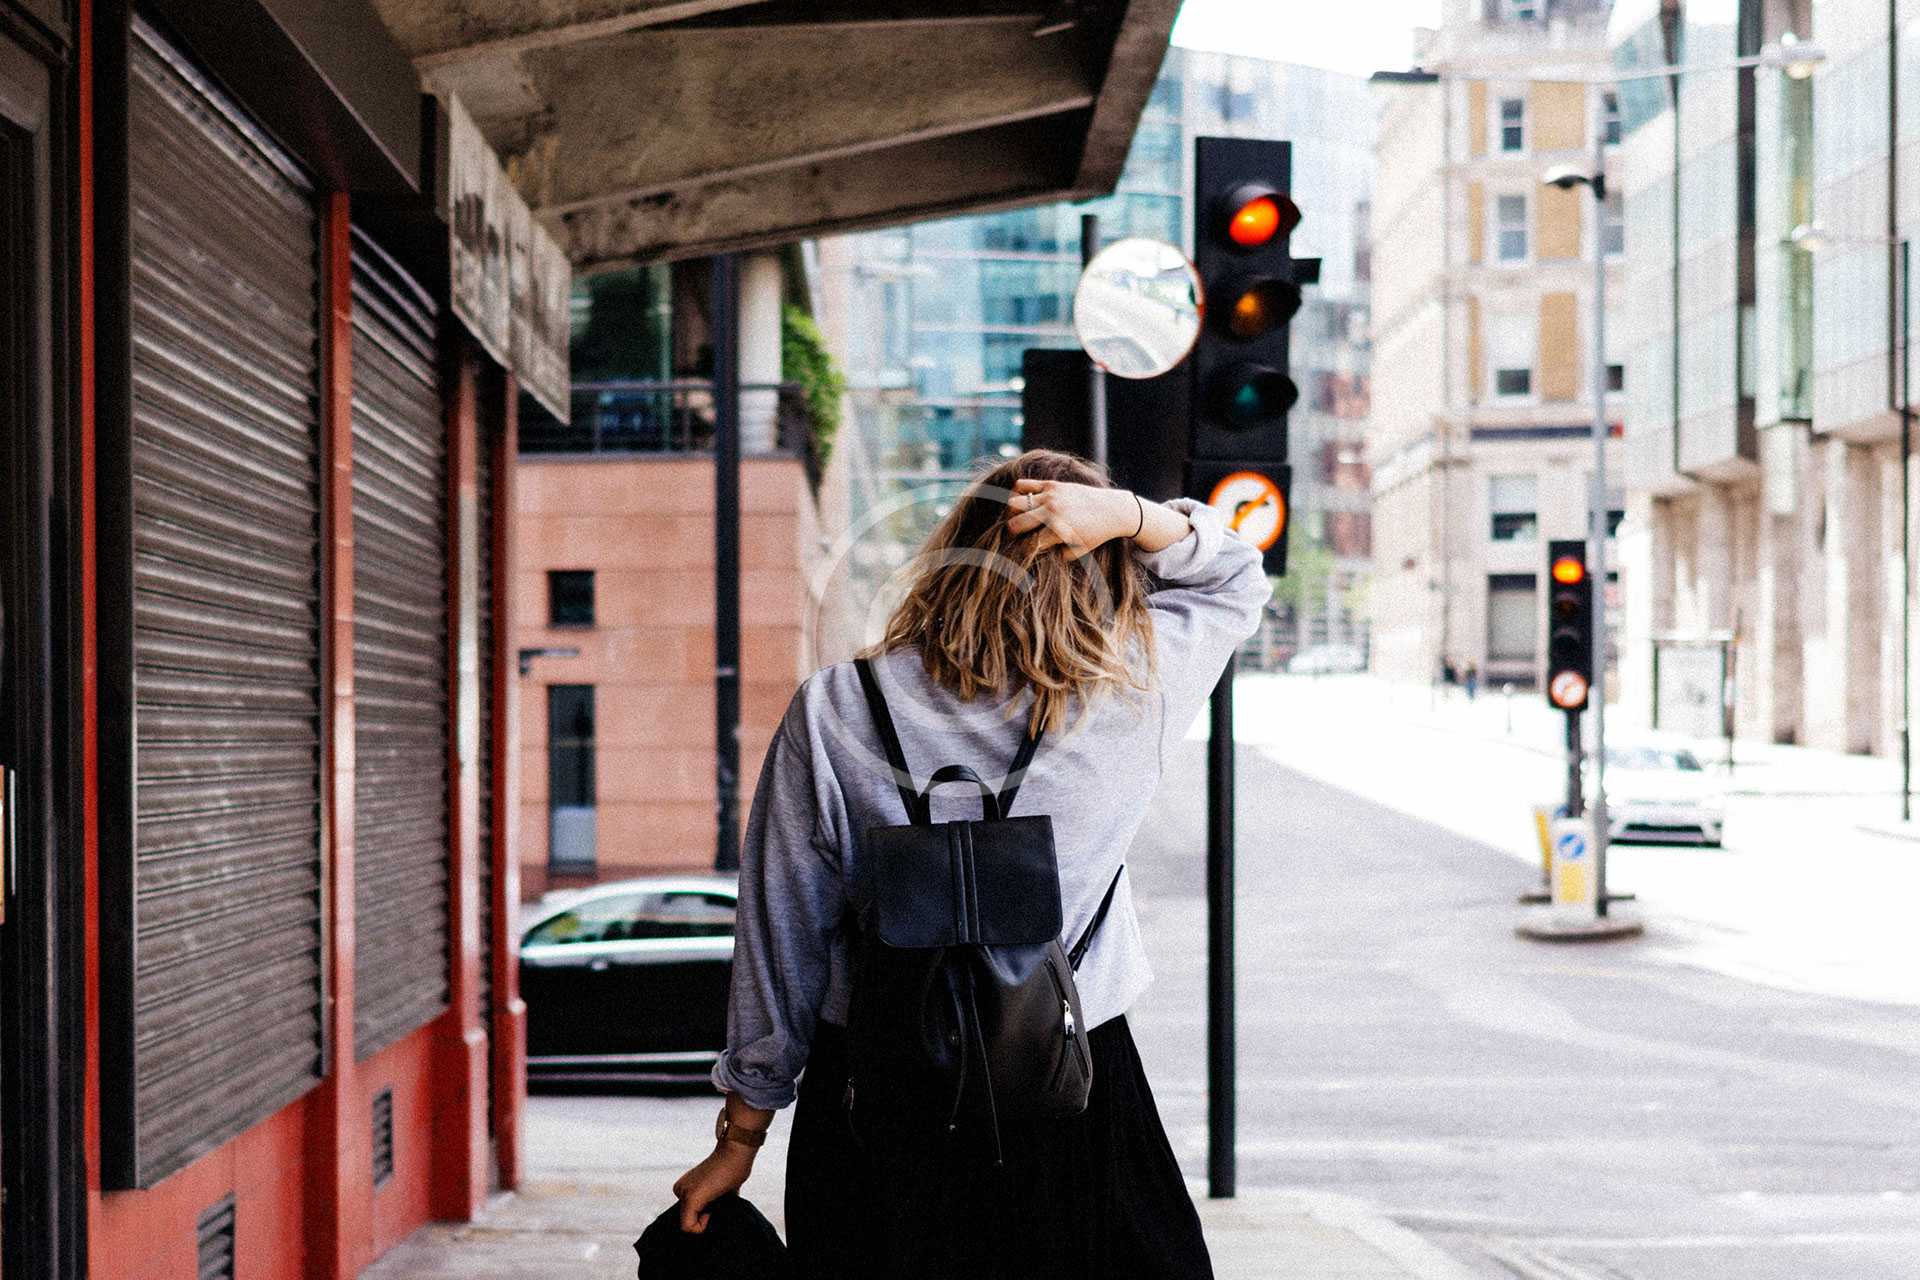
1137 308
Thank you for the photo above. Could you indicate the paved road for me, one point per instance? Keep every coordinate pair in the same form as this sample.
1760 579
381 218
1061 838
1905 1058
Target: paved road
1610 1112
1537 1109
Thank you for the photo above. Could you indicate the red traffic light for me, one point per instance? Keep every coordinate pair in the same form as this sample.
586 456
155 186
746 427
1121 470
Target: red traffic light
1257 214
1569 571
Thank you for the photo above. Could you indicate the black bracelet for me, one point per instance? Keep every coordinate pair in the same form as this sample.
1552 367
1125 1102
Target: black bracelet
1143 515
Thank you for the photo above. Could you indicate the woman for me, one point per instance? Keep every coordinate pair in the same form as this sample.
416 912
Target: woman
1103 620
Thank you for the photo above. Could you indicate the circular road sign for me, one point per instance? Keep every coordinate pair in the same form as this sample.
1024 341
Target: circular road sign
1252 505
1568 690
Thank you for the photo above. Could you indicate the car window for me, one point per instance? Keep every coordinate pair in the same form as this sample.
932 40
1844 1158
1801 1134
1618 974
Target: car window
1647 759
595 920
693 915
638 916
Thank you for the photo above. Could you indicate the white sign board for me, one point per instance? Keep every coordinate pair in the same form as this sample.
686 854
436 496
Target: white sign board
1689 687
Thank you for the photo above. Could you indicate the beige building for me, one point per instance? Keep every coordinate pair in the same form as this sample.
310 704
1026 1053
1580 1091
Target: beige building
1480 431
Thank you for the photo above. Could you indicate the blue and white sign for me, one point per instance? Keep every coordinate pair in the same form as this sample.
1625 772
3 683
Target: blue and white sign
1570 877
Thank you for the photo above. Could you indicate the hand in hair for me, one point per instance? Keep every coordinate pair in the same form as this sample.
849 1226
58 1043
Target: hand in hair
1081 517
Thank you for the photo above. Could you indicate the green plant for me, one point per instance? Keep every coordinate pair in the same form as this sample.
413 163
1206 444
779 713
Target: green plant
804 359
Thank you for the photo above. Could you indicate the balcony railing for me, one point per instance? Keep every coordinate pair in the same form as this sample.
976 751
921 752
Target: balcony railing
663 417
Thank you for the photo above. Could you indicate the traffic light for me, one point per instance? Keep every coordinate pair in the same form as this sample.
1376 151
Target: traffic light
1242 388
1569 624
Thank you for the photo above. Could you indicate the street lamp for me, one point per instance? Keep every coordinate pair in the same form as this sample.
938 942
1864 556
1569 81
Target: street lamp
1812 239
1566 177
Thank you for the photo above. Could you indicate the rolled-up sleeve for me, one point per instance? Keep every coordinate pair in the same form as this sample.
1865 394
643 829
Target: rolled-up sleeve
791 900
1212 588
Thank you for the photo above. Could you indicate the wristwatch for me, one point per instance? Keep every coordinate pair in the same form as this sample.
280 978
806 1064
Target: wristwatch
725 1130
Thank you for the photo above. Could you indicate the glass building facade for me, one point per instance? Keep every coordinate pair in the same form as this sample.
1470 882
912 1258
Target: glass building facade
930 321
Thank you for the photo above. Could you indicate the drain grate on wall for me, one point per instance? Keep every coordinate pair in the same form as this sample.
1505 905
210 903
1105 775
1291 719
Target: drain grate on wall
382 1136
216 1242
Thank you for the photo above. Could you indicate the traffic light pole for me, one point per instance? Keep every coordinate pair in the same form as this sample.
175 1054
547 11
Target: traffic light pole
1597 519
1221 1082
1096 376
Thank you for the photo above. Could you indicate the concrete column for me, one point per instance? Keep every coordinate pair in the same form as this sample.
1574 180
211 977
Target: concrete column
1645 554
760 301
1843 649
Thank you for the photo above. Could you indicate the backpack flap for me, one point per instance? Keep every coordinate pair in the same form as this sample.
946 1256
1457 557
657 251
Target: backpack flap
992 883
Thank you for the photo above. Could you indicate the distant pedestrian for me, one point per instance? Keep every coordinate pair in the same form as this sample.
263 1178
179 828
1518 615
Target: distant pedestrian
1097 621
1448 675
1472 681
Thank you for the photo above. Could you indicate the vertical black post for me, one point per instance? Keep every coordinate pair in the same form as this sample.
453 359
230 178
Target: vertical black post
1906 535
1576 794
1096 376
725 320
1221 1159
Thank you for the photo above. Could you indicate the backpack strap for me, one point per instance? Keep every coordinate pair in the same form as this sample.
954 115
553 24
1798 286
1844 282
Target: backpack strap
919 810
1018 773
1100 914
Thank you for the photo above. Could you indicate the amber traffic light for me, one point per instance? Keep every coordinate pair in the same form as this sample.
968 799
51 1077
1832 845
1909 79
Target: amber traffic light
1242 385
1569 625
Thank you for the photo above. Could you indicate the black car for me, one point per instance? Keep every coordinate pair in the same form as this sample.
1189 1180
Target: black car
629 977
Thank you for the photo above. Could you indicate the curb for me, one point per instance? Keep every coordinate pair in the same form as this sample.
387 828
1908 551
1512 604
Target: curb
1349 1213
1406 1252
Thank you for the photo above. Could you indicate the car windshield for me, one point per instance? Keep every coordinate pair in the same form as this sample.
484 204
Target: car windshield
1650 759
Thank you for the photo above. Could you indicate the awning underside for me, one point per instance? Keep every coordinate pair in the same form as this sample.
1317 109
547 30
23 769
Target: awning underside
645 129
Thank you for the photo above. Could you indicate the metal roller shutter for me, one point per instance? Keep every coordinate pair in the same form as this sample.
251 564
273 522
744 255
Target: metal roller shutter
225 463
400 672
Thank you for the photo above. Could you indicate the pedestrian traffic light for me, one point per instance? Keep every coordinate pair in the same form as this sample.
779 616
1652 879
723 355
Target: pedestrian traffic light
1569 624
1243 390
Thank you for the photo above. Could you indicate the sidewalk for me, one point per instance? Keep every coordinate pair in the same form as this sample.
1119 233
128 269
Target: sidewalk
599 1168
562 1229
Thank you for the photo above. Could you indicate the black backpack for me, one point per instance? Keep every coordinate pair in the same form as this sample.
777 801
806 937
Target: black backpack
963 1004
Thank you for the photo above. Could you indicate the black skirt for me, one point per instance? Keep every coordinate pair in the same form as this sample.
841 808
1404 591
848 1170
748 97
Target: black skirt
1096 1197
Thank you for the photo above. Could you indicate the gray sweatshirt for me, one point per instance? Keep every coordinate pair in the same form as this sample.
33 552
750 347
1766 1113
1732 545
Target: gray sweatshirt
825 782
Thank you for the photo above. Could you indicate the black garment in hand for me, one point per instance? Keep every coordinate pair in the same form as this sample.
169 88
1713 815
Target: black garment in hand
738 1244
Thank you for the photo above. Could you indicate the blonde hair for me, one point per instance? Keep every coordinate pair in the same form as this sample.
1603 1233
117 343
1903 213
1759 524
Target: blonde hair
990 612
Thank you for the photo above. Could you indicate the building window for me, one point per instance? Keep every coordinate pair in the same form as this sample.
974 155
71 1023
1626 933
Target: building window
1613 225
1512 503
1512 344
1610 118
570 598
1616 377
1513 124
1510 228
1513 621
570 779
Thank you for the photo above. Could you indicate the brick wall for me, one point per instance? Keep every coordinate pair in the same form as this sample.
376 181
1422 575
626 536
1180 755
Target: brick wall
645 528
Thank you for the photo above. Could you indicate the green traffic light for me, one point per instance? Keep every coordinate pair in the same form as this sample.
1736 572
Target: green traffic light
1247 395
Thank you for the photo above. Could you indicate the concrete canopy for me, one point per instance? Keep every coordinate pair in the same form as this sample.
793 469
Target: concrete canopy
652 129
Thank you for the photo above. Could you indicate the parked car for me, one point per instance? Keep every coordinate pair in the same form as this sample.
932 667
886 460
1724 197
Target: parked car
1662 795
1328 659
629 976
